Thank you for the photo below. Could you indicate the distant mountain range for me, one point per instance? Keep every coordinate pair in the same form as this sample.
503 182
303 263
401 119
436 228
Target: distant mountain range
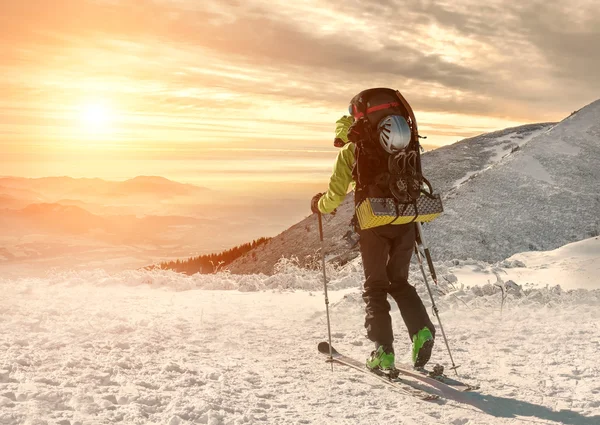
50 189
65 223
70 219
76 206
533 187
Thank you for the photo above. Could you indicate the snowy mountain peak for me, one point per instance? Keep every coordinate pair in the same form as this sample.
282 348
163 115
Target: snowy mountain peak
539 197
520 189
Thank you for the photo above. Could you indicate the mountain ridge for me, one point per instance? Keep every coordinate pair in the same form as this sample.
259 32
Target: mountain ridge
551 206
465 167
44 188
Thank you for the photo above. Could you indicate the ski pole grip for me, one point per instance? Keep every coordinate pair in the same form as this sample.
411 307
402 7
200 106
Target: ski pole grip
320 227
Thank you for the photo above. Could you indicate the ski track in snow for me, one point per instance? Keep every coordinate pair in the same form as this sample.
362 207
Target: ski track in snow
150 347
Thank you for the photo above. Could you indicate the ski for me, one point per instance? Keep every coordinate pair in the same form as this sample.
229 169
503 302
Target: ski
435 377
398 384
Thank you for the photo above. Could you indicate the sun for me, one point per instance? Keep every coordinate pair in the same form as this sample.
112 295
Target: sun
95 117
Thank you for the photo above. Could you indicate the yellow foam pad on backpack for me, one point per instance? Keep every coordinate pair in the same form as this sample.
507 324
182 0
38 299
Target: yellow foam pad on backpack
374 212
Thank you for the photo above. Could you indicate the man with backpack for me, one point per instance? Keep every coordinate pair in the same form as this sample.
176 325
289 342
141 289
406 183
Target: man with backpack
379 153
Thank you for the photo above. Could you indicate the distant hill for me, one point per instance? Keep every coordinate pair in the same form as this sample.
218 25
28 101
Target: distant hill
71 219
533 187
58 218
55 188
7 201
211 263
144 184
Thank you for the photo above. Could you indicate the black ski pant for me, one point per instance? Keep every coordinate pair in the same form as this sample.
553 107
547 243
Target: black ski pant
386 252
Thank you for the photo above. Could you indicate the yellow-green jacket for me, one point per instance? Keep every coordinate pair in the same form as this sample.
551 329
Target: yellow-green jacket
342 170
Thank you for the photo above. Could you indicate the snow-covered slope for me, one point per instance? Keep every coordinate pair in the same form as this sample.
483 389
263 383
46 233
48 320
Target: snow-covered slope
527 188
149 347
572 266
540 197
449 167
446 167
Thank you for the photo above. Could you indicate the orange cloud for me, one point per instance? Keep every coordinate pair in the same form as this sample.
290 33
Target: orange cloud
181 76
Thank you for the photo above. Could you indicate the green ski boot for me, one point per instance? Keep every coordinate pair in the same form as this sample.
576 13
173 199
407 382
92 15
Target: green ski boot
382 359
422 346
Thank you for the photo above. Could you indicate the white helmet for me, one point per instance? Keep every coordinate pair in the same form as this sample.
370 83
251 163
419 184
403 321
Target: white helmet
394 133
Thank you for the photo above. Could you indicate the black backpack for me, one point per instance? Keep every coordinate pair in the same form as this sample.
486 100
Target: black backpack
388 185
377 173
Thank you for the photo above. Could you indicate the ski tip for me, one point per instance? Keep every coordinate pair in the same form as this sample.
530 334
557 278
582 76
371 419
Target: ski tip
323 347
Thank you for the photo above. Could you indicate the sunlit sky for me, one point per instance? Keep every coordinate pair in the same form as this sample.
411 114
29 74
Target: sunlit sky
199 90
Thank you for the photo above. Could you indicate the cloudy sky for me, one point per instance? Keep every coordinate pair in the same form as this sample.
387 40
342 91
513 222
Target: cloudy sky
195 90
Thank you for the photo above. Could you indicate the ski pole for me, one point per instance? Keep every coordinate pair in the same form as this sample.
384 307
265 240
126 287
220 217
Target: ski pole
325 287
433 275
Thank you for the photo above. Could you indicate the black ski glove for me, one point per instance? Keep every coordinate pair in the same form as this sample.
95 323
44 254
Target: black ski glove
314 203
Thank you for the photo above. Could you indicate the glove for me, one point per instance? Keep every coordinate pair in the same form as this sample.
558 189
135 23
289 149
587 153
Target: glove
341 130
314 203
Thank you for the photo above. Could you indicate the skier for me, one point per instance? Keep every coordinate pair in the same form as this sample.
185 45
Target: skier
386 253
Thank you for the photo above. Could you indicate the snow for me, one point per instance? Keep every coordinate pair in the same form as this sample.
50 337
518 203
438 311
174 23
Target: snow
155 347
533 168
537 198
572 266
500 145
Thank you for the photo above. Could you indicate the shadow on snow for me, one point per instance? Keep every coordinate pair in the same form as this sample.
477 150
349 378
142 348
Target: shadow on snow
502 407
